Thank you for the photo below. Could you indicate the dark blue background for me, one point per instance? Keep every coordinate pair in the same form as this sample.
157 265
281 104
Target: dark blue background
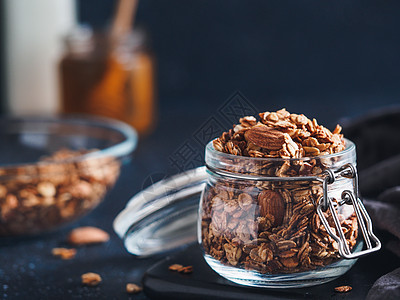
326 59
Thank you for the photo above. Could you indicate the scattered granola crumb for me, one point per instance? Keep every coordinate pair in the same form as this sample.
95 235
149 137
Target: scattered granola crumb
343 289
175 267
64 253
91 279
132 288
181 269
186 270
87 235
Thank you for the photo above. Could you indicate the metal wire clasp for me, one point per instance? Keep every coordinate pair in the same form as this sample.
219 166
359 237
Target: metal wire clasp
350 198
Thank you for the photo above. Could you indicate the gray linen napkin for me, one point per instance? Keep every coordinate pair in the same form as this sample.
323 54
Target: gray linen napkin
377 137
387 287
385 213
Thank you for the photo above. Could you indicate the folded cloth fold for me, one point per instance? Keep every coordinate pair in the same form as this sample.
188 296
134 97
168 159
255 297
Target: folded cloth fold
387 287
385 215
377 137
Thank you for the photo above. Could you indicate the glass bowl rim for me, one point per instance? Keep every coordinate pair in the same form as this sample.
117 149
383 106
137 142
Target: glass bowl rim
117 150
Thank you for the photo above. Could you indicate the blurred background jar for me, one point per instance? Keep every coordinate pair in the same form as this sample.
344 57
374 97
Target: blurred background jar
109 75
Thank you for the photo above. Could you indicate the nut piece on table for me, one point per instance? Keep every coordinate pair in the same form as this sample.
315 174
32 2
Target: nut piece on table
181 269
87 235
132 288
64 253
175 267
186 270
91 279
343 289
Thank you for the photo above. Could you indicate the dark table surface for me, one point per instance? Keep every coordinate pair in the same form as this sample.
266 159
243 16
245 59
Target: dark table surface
204 283
29 271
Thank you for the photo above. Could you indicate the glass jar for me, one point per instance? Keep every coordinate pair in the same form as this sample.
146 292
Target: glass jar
264 222
111 77
272 222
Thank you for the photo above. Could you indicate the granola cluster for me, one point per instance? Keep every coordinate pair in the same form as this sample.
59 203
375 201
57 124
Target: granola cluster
280 134
272 226
59 188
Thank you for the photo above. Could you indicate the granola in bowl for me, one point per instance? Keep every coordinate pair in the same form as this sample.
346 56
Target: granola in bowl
56 190
54 170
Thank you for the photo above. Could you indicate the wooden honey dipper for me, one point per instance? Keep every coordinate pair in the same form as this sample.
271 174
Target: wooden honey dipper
108 97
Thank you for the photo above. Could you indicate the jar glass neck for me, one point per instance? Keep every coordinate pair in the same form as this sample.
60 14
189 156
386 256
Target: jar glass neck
278 167
83 41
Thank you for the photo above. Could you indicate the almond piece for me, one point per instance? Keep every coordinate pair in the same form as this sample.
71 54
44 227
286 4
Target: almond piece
343 289
272 203
132 288
87 235
186 270
265 137
91 279
64 253
175 267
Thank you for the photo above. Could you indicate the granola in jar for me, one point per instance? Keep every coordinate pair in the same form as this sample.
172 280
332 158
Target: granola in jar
272 226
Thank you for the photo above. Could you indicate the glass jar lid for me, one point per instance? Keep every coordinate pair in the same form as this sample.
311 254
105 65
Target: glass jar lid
163 216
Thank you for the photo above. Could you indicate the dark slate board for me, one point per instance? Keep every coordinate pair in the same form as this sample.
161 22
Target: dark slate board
204 283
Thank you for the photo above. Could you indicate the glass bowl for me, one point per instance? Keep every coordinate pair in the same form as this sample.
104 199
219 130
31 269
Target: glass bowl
54 170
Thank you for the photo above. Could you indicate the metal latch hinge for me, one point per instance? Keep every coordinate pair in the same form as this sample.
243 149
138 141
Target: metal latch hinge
350 198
